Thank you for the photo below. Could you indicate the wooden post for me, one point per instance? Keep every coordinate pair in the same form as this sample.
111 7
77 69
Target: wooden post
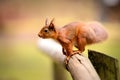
81 68
106 66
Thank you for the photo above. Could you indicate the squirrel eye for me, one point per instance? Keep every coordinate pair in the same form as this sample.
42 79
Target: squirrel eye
45 30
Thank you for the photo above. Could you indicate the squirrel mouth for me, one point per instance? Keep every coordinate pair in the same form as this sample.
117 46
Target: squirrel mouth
41 36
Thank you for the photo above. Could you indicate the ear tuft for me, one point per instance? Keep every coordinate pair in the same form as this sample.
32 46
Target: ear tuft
52 26
52 20
46 21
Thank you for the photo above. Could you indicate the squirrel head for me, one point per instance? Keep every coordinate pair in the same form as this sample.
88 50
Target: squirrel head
48 31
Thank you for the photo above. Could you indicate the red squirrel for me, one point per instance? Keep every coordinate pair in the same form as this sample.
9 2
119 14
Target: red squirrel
78 34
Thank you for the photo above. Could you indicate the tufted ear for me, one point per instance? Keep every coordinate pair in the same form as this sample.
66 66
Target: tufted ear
46 21
52 26
52 22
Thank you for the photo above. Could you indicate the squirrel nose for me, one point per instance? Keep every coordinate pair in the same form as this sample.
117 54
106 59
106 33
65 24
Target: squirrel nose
39 35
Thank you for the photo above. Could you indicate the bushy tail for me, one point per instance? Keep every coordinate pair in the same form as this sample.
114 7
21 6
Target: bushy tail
98 31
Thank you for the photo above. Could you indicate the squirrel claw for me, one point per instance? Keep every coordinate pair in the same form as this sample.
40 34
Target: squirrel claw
68 57
66 60
77 52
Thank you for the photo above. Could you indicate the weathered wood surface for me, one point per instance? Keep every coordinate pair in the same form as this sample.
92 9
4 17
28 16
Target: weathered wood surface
106 66
81 68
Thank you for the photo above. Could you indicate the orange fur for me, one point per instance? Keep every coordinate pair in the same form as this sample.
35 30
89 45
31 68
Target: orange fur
77 34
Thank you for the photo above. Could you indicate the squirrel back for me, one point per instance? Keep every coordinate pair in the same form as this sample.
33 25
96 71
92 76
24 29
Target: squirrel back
94 32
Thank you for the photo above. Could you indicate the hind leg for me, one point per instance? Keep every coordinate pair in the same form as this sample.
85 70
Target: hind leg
81 44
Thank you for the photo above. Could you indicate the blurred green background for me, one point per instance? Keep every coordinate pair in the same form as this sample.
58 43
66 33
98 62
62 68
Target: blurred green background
21 20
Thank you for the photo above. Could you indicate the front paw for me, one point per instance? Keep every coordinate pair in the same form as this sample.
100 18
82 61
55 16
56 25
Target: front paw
67 60
76 52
